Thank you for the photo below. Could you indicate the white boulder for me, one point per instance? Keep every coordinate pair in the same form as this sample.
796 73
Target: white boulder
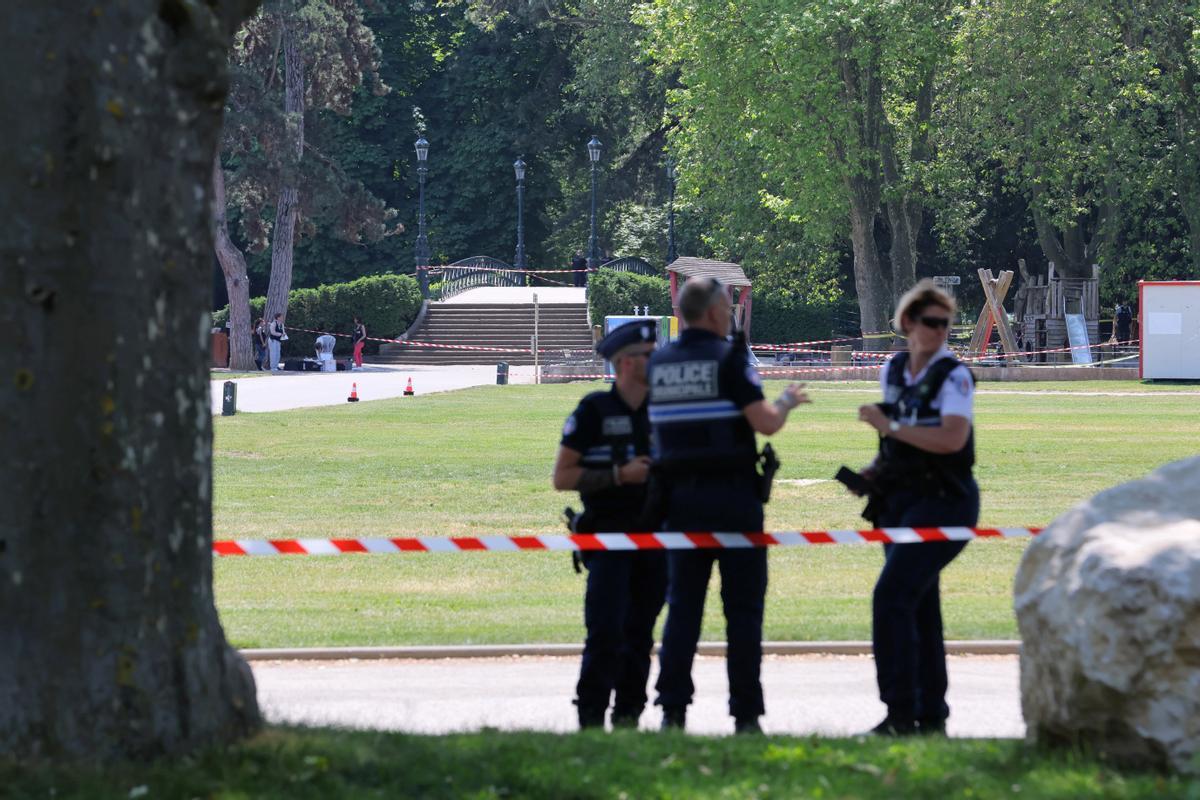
1108 605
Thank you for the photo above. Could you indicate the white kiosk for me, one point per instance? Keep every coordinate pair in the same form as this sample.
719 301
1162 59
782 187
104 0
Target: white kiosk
1169 317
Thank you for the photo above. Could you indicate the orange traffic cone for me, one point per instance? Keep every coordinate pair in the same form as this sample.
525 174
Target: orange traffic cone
408 390
353 398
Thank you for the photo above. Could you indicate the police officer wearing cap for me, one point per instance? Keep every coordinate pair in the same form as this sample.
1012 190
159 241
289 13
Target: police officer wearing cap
921 478
706 403
605 456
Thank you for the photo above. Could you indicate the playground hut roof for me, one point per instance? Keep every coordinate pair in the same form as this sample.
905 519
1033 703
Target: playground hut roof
726 273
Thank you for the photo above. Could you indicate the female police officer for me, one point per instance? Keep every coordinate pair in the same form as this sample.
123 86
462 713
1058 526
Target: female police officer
922 478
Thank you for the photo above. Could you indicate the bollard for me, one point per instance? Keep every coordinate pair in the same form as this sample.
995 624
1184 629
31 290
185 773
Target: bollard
229 399
502 373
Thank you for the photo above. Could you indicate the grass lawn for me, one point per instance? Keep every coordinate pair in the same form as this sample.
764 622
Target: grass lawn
479 460
293 764
227 375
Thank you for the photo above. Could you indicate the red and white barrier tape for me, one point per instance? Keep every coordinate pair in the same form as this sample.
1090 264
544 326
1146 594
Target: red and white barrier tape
499 269
608 541
448 346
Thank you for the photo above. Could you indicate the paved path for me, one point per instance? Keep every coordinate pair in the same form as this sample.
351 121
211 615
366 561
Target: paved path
284 390
833 695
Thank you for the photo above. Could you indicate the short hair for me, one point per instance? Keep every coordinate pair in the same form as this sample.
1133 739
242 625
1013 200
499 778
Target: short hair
926 293
697 296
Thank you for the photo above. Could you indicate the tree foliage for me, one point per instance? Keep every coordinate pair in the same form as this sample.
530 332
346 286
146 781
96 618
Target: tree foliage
830 147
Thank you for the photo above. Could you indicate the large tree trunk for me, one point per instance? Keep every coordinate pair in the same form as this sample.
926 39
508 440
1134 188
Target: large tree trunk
237 285
1067 248
284 234
874 295
109 640
861 93
905 203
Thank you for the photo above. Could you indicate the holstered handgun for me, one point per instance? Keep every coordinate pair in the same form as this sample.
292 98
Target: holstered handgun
769 465
572 521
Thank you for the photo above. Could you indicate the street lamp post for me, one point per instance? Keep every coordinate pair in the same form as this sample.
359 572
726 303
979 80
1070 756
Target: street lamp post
519 169
422 246
593 259
671 175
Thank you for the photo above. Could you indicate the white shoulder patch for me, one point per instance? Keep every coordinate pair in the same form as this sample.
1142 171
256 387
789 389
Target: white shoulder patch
960 381
569 426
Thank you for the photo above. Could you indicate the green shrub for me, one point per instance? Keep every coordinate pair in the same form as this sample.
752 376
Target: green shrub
778 317
612 293
775 317
388 304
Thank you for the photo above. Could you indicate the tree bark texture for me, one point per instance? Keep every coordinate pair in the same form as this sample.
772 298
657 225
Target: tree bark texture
874 295
903 200
110 646
862 95
237 285
1069 247
283 235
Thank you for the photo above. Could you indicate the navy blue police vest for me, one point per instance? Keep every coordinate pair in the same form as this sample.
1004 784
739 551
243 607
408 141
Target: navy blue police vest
912 405
624 434
697 426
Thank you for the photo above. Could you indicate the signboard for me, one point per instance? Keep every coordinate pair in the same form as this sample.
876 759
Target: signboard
667 331
1169 313
947 280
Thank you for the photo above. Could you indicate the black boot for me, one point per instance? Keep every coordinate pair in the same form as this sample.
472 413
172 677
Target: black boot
626 718
674 718
590 717
931 726
747 726
894 727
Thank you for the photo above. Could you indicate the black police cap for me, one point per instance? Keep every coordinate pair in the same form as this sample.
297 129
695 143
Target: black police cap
635 332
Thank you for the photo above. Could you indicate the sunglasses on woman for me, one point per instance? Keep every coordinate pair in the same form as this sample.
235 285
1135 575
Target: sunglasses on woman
937 323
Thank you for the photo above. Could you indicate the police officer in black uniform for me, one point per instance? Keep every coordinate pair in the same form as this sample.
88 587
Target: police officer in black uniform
605 455
921 478
706 403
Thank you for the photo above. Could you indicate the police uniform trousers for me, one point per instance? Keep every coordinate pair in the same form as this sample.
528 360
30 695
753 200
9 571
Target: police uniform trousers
715 503
910 655
625 592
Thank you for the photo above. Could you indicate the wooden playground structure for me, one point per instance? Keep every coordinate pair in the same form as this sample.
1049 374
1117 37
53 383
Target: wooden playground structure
1044 308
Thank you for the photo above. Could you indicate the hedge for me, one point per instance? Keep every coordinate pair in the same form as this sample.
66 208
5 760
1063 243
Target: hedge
780 317
616 293
388 304
775 317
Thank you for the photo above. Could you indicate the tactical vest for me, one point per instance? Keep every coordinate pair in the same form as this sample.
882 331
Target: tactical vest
697 426
912 405
624 434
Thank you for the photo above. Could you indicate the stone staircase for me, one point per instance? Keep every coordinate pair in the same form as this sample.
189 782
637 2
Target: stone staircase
561 326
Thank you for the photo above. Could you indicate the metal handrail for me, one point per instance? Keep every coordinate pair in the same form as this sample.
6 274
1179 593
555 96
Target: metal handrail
494 272
632 264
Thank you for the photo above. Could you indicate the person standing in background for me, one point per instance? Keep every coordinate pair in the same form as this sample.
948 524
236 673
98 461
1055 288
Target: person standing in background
276 336
260 342
360 339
